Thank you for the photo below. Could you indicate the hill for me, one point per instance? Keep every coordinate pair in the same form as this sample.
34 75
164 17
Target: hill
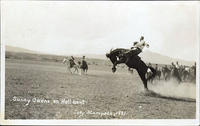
146 56
153 57
18 49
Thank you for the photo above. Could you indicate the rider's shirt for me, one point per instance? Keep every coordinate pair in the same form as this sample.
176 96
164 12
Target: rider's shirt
141 44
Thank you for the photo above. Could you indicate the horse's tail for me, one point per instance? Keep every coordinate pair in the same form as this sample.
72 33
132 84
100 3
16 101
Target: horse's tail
153 71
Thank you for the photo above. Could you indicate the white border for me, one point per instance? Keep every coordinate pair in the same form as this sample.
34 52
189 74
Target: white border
198 66
177 122
2 93
174 122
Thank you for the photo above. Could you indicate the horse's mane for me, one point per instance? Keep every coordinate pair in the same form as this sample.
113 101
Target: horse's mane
118 50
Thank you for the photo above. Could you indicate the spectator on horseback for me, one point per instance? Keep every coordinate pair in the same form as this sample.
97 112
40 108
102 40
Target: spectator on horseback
84 65
166 72
136 49
172 66
175 71
72 62
177 65
165 67
83 61
71 58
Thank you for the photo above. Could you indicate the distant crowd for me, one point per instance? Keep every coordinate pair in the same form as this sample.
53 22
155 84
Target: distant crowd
180 72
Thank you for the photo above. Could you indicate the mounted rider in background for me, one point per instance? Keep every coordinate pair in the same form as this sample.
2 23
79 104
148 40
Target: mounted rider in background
175 71
84 63
72 62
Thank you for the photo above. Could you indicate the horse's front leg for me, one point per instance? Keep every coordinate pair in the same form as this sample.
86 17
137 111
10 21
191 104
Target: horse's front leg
121 60
75 69
69 69
114 68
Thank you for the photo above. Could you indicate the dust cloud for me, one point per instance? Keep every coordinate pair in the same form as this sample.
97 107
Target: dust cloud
173 89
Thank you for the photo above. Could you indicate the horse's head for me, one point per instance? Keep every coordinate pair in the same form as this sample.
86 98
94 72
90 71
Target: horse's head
111 56
64 60
108 54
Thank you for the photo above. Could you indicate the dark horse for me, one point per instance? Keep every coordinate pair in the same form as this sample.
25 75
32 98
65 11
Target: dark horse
176 74
134 62
166 73
84 66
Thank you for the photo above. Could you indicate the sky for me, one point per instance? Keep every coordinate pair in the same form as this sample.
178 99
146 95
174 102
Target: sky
94 27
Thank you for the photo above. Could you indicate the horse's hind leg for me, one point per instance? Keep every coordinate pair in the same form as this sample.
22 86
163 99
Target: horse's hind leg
145 83
144 80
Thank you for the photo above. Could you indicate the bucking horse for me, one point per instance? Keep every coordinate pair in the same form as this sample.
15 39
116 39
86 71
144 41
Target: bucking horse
134 62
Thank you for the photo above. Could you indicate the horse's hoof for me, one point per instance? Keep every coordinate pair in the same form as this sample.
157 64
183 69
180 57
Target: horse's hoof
113 70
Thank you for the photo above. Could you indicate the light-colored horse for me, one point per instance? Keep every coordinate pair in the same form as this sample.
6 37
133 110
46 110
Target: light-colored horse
72 65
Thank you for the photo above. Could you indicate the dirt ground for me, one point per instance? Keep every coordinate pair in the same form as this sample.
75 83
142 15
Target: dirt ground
46 90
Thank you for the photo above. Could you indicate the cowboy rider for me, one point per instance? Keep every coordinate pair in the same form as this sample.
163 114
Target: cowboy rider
72 62
83 63
136 49
71 59
175 72
177 65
